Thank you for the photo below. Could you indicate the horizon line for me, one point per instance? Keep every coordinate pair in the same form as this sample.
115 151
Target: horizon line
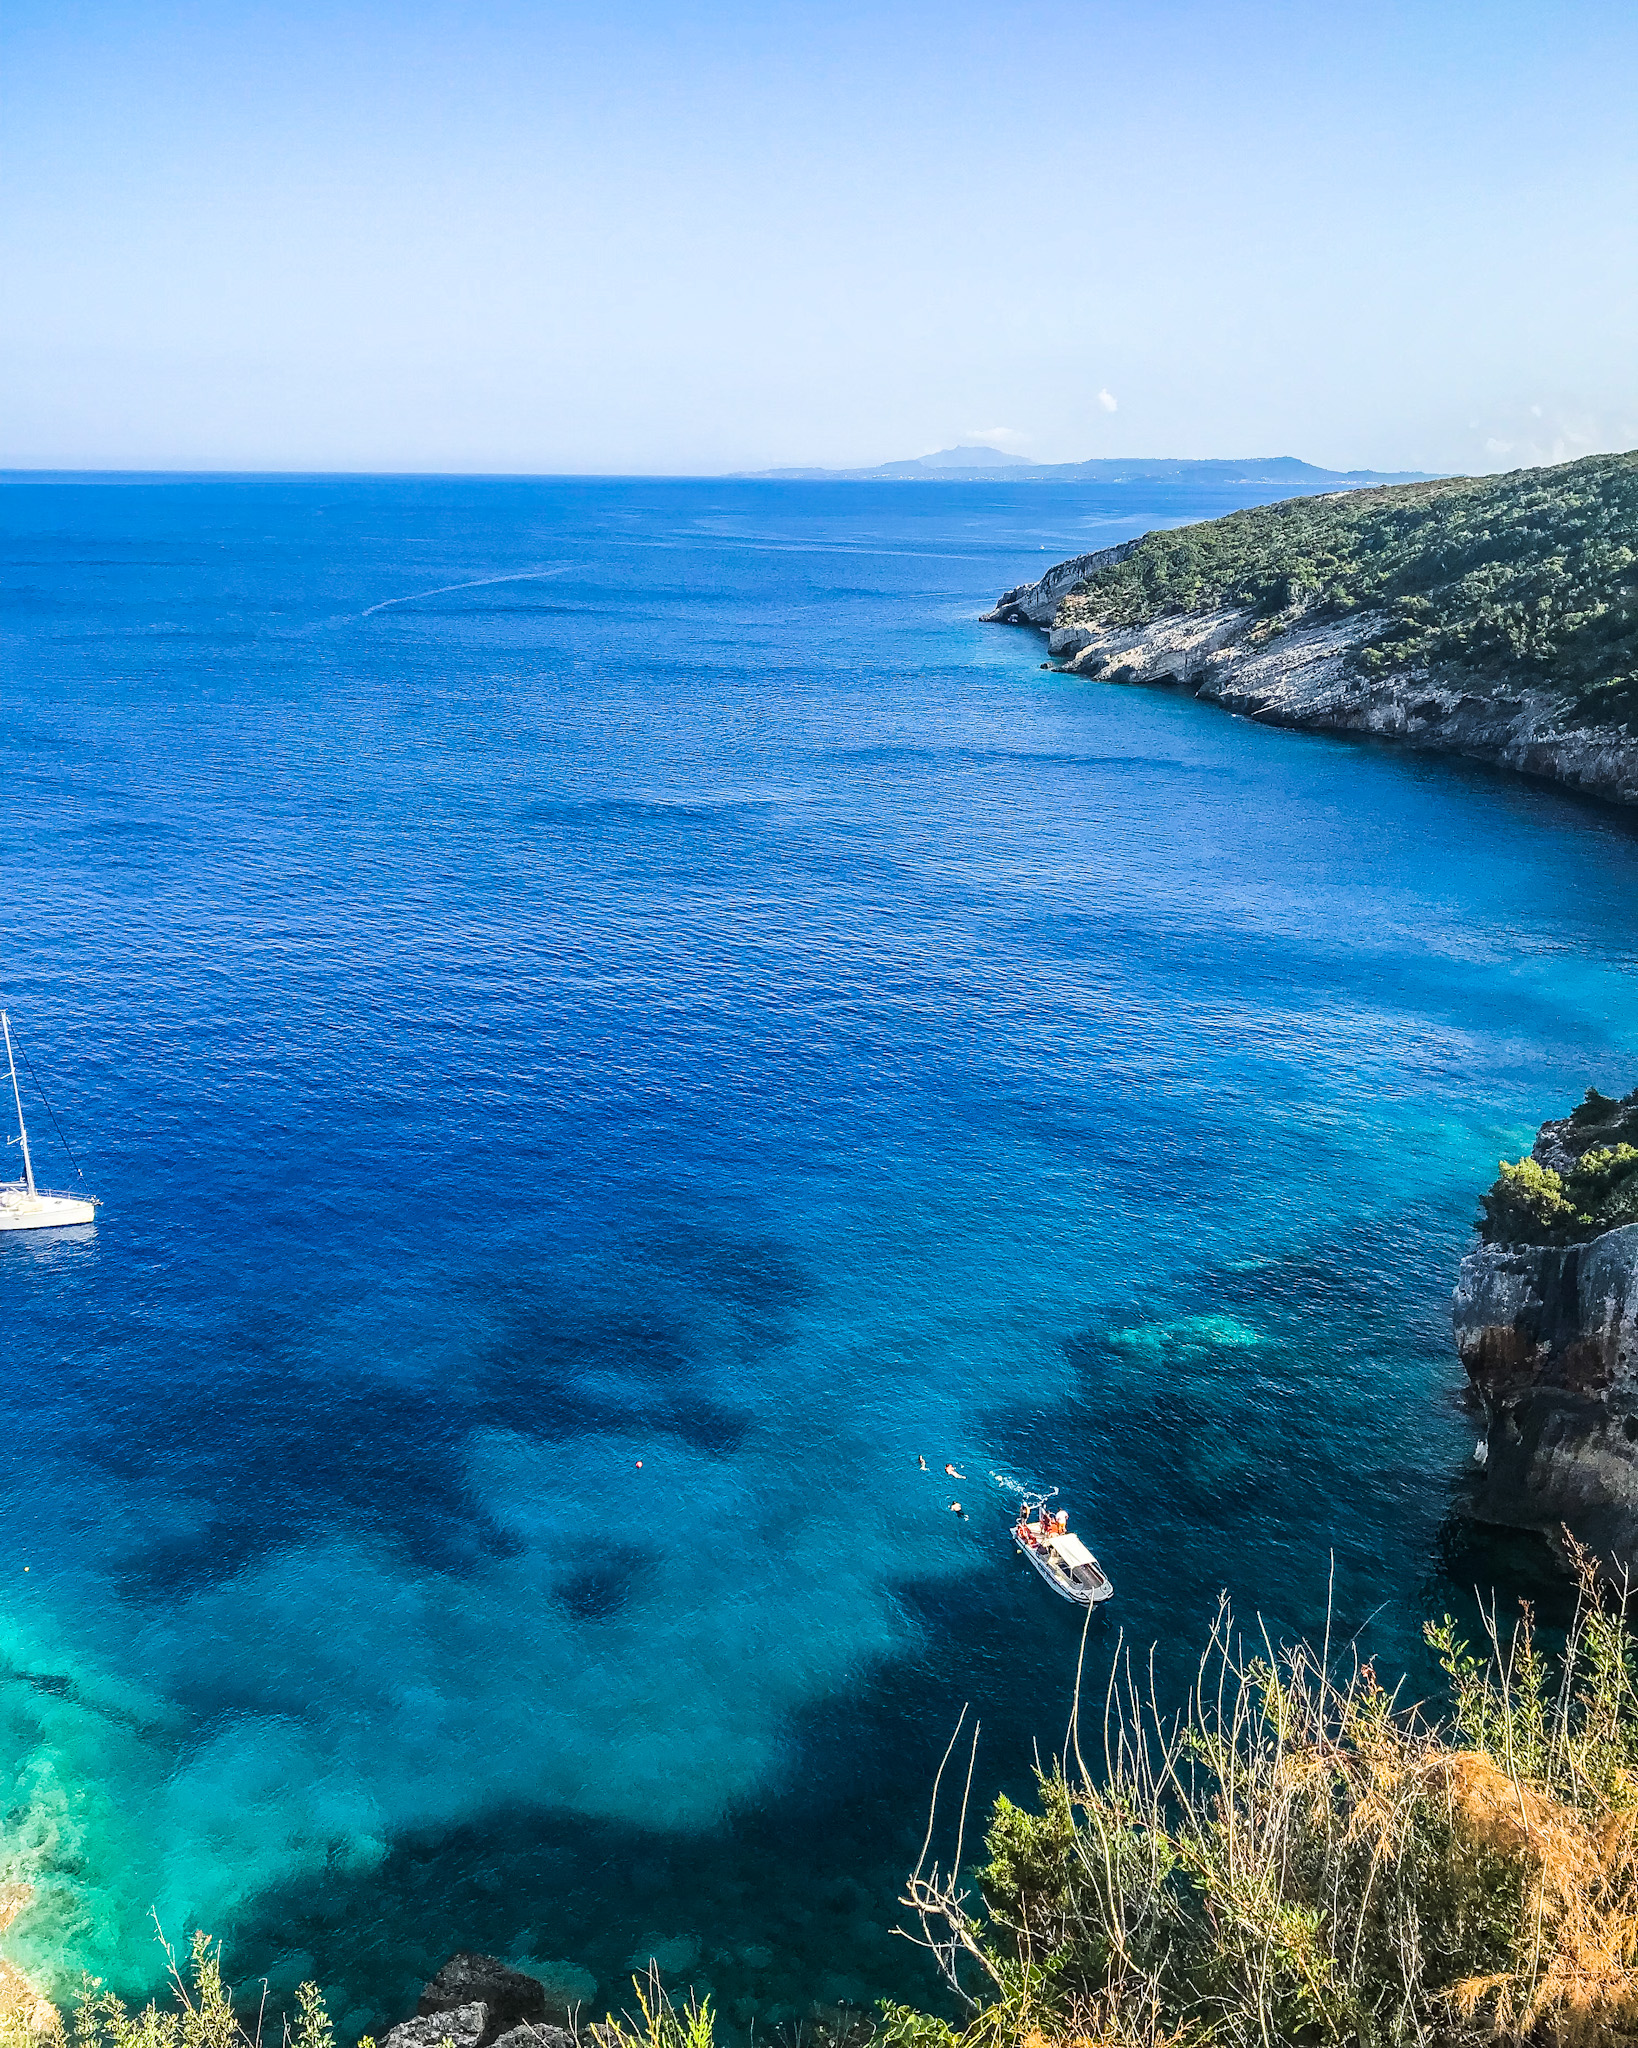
783 473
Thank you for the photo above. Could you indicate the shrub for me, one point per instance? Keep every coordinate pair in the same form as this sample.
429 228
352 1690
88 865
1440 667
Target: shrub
660 2021
1532 1204
201 2014
1298 1857
1528 1205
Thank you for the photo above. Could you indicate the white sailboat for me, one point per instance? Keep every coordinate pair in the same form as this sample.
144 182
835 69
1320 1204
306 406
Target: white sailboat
22 1206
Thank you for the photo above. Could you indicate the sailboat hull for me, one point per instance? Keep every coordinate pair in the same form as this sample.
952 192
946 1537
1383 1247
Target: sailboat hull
19 1210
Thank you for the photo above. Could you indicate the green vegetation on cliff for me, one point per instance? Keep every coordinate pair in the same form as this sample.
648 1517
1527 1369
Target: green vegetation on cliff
1520 579
1533 1203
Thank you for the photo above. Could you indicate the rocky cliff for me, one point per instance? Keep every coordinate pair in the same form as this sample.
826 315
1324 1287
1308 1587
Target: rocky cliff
1036 604
1301 675
1548 1332
1495 618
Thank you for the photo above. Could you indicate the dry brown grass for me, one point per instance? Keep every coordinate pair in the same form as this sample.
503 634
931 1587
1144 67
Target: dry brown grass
1297 1858
27 2017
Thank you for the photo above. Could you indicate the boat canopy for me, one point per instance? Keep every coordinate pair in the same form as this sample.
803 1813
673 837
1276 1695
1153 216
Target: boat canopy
1071 1550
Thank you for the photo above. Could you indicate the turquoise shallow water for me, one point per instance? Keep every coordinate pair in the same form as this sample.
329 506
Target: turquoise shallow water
547 976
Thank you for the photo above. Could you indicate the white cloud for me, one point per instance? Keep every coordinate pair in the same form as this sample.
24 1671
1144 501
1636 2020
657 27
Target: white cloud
1527 434
1107 400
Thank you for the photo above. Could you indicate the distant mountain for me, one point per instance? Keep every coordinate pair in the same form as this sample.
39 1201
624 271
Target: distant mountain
967 459
990 465
947 463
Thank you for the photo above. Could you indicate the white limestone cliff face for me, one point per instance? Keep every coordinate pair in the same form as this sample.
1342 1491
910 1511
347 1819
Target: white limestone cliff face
1036 604
1299 671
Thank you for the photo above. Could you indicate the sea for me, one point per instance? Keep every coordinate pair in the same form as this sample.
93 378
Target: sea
643 1070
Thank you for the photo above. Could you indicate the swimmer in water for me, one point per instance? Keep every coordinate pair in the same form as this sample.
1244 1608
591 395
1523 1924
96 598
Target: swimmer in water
957 1509
921 1461
954 1474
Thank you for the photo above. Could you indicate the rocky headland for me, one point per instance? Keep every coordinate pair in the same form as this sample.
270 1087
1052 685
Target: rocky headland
1546 1321
1492 617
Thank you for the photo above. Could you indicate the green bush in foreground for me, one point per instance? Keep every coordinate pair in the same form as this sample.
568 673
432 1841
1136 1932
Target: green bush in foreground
1535 1204
200 2014
1299 1858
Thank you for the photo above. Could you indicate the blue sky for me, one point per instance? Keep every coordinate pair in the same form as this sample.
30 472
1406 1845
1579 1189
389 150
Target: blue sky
706 237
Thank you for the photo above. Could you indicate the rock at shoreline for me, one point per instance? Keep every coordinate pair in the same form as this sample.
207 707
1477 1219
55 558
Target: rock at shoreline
510 1998
465 2026
1548 1334
25 2013
480 2002
1303 676
533 2035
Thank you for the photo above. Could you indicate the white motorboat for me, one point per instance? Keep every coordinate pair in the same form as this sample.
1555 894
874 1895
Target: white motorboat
1062 1559
22 1205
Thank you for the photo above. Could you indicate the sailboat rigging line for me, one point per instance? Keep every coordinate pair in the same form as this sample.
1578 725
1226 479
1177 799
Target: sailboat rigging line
50 1112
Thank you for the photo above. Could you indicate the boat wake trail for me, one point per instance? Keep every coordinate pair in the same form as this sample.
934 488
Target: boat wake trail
477 583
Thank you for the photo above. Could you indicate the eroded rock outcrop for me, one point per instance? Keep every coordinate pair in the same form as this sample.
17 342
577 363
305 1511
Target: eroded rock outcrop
1548 1333
462 2026
510 1999
477 2001
1036 604
1299 670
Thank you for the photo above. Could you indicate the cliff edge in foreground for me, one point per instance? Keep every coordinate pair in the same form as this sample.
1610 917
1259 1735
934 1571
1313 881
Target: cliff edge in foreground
1546 1321
1495 617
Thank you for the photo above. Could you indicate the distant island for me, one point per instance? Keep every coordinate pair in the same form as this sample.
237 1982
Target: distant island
992 465
1495 617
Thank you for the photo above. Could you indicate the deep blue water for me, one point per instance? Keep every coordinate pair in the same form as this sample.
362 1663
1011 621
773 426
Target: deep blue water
544 976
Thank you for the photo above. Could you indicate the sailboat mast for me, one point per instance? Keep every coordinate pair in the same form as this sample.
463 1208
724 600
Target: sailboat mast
16 1096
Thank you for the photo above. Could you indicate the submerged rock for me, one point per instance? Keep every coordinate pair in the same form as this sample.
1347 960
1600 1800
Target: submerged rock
1548 1334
